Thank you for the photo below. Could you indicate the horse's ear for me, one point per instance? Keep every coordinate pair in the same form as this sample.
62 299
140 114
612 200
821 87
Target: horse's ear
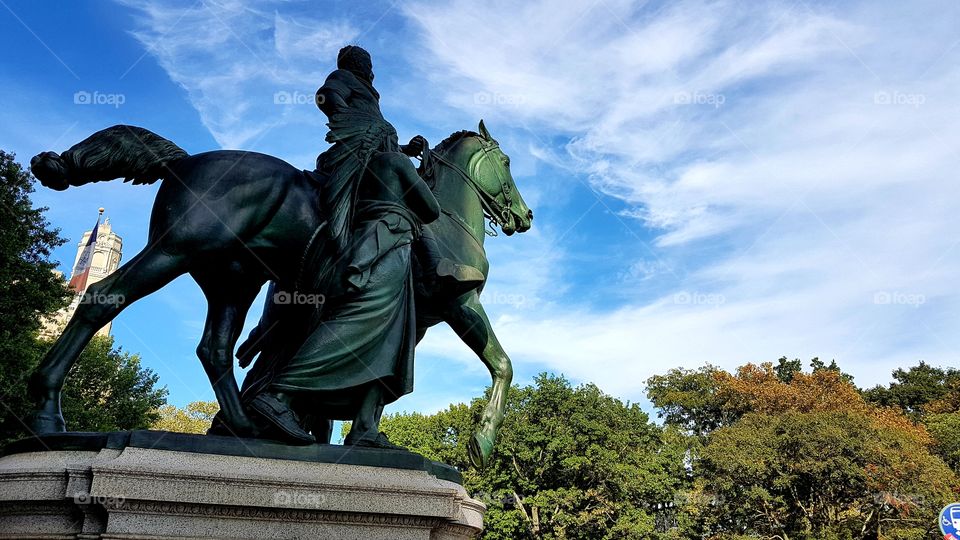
484 133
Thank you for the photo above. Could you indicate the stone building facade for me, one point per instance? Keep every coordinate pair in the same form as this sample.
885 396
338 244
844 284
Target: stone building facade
106 259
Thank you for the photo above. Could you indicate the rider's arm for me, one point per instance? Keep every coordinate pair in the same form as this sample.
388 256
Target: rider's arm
417 194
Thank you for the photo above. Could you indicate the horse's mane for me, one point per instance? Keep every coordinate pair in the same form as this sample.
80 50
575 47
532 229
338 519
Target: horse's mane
428 173
453 139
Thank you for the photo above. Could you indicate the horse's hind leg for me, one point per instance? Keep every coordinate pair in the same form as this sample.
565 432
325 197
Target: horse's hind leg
148 271
230 292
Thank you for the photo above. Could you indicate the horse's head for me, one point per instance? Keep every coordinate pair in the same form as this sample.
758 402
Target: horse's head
490 167
479 160
492 172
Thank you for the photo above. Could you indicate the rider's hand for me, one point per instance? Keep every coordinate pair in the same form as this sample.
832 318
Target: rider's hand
416 146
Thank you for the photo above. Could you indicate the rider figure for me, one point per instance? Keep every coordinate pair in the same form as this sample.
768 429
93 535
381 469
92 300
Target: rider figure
375 204
349 89
358 130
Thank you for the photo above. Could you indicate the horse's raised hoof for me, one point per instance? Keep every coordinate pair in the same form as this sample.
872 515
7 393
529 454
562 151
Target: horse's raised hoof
42 423
479 449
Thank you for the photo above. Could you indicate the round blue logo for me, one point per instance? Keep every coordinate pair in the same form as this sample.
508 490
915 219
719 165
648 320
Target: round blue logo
950 521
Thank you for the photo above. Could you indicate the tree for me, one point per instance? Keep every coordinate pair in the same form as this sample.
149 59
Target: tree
945 430
919 389
823 475
786 369
704 399
930 395
691 400
28 286
570 462
804 455
108 390
817 365
758 388
194 418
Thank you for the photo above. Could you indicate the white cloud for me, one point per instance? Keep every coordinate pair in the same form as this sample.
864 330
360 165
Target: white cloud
245 67
818 143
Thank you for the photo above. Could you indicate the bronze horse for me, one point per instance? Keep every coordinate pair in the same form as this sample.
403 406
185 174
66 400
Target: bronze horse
235 220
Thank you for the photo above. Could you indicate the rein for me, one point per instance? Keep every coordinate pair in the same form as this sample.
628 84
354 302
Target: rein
493 209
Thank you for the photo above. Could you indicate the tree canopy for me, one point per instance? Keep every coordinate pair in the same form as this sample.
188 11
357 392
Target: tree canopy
571 462
784 453
194 418
766 451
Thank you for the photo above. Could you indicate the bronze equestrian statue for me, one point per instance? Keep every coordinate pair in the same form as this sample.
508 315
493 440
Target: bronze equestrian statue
235 220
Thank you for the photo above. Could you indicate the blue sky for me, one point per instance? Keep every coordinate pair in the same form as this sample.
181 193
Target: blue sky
713 181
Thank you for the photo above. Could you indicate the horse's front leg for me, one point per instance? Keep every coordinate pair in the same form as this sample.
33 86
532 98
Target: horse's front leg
470 322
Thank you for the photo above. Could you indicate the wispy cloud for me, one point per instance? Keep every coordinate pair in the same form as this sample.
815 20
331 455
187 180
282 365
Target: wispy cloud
245 67
817 144
794 159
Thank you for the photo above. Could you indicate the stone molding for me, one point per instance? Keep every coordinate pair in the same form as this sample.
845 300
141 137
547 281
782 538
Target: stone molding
140 493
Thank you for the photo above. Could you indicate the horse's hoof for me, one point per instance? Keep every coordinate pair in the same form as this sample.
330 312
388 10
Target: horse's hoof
479 450
42 423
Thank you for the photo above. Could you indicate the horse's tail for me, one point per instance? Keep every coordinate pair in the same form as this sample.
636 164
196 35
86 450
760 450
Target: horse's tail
127 152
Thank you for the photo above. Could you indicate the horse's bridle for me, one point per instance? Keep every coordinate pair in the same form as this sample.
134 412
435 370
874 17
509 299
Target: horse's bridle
494 210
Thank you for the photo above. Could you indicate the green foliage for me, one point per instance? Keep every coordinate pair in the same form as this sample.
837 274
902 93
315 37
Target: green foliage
770 451
196 417
786 369
570 462
788 454
108 390
945 430
690 399
28 286
817 365
915 389
822 475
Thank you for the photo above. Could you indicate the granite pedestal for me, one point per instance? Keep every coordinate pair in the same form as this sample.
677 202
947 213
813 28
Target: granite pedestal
158 485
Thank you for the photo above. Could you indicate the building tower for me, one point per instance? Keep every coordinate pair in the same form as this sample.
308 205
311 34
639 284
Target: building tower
107 252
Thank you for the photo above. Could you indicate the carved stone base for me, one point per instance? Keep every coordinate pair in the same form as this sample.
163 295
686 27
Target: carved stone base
148 493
